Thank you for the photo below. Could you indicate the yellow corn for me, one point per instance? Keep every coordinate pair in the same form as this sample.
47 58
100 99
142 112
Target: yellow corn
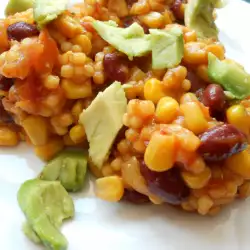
166 110
240 163
238 116
8 137
140 7
48 151
77 109
217 49
67 140
196 181
153 19
68 26
84 42
159 155
194 118
153 90
51 82
77 133
205 203
67 71
36 127
76 91
109 188
188 97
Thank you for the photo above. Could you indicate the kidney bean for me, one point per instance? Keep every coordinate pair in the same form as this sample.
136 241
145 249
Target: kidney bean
222 141
129 20
5 83
176 8
115 67
134 197
214 97
168 185
21 30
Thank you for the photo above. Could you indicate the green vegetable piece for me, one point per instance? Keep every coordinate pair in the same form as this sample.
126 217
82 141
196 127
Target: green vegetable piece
45 204
15 6
69 167
199 16
46 11
167 47
131 41
230 75
102 121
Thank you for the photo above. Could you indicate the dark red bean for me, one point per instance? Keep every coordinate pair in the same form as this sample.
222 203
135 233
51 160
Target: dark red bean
176 8
214 98
21 30
5 83
167 185
222 141
134 197
115 67
129 20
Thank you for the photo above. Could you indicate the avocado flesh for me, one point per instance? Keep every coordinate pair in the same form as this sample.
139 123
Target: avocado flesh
102 121
46 11
199 17
69 167
131 41
167 48
15 6
45 204
230 75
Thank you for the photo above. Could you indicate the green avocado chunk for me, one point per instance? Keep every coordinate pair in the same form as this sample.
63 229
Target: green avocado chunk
46 11
230 75
102 121
15 6
167 47
131 41
69 167
45 204
199 17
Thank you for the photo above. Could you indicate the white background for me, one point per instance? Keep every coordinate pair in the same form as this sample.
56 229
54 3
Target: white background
100 225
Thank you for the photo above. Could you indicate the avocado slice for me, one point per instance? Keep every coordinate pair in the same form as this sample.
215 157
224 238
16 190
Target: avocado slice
167 47
15 6
46 11
131 41
102 121
199 17
45 204
69 167
230 75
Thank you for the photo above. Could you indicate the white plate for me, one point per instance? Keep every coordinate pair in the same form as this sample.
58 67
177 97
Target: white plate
100 225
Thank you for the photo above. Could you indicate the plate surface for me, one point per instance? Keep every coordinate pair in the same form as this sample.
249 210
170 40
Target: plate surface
100 225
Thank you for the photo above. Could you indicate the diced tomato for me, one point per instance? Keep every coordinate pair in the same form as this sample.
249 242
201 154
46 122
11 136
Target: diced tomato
49 56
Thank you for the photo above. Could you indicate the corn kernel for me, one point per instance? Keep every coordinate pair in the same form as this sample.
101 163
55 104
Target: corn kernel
8 137
77 133
51 82
195 53
240 163
194 118
116 164
238 116
197 181
159 155
84 42
67 140
66 46
49 150
188 97
153 19
204 204
76 91
217 49
109 188
78 58
36 127
67 71
167 110
153 90
77 109
244 190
